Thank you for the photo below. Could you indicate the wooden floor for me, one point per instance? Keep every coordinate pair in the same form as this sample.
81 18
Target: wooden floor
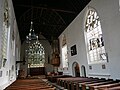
30 84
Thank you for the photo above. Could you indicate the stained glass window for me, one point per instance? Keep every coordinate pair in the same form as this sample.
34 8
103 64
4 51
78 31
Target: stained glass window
36 55
94 38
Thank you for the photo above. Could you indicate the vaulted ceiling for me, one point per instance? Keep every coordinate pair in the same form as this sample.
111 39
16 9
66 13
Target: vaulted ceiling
50 17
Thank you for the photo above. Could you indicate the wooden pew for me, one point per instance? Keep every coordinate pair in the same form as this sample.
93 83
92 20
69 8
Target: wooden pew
60 81
116 86
106 82
67 82
87 86
72 83
77 85
68 85
53 79
109 85
81 83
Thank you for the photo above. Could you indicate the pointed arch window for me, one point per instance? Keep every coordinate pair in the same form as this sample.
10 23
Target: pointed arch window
36 55
64 53
94 38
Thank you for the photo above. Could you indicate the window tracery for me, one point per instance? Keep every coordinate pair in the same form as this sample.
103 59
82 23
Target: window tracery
36 55
94 37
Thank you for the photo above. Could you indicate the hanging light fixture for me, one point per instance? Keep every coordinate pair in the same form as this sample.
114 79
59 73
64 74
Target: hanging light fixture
31 35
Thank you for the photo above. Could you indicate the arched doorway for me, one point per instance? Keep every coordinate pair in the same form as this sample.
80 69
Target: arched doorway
83 71
76 69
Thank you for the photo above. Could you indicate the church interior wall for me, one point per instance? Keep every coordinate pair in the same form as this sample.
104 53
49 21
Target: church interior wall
8 72
109 13
108 10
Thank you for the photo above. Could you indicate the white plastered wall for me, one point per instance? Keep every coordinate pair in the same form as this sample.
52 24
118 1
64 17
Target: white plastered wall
109 13
9 71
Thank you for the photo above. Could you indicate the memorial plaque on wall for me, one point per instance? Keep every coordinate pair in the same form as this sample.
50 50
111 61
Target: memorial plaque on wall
73 50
